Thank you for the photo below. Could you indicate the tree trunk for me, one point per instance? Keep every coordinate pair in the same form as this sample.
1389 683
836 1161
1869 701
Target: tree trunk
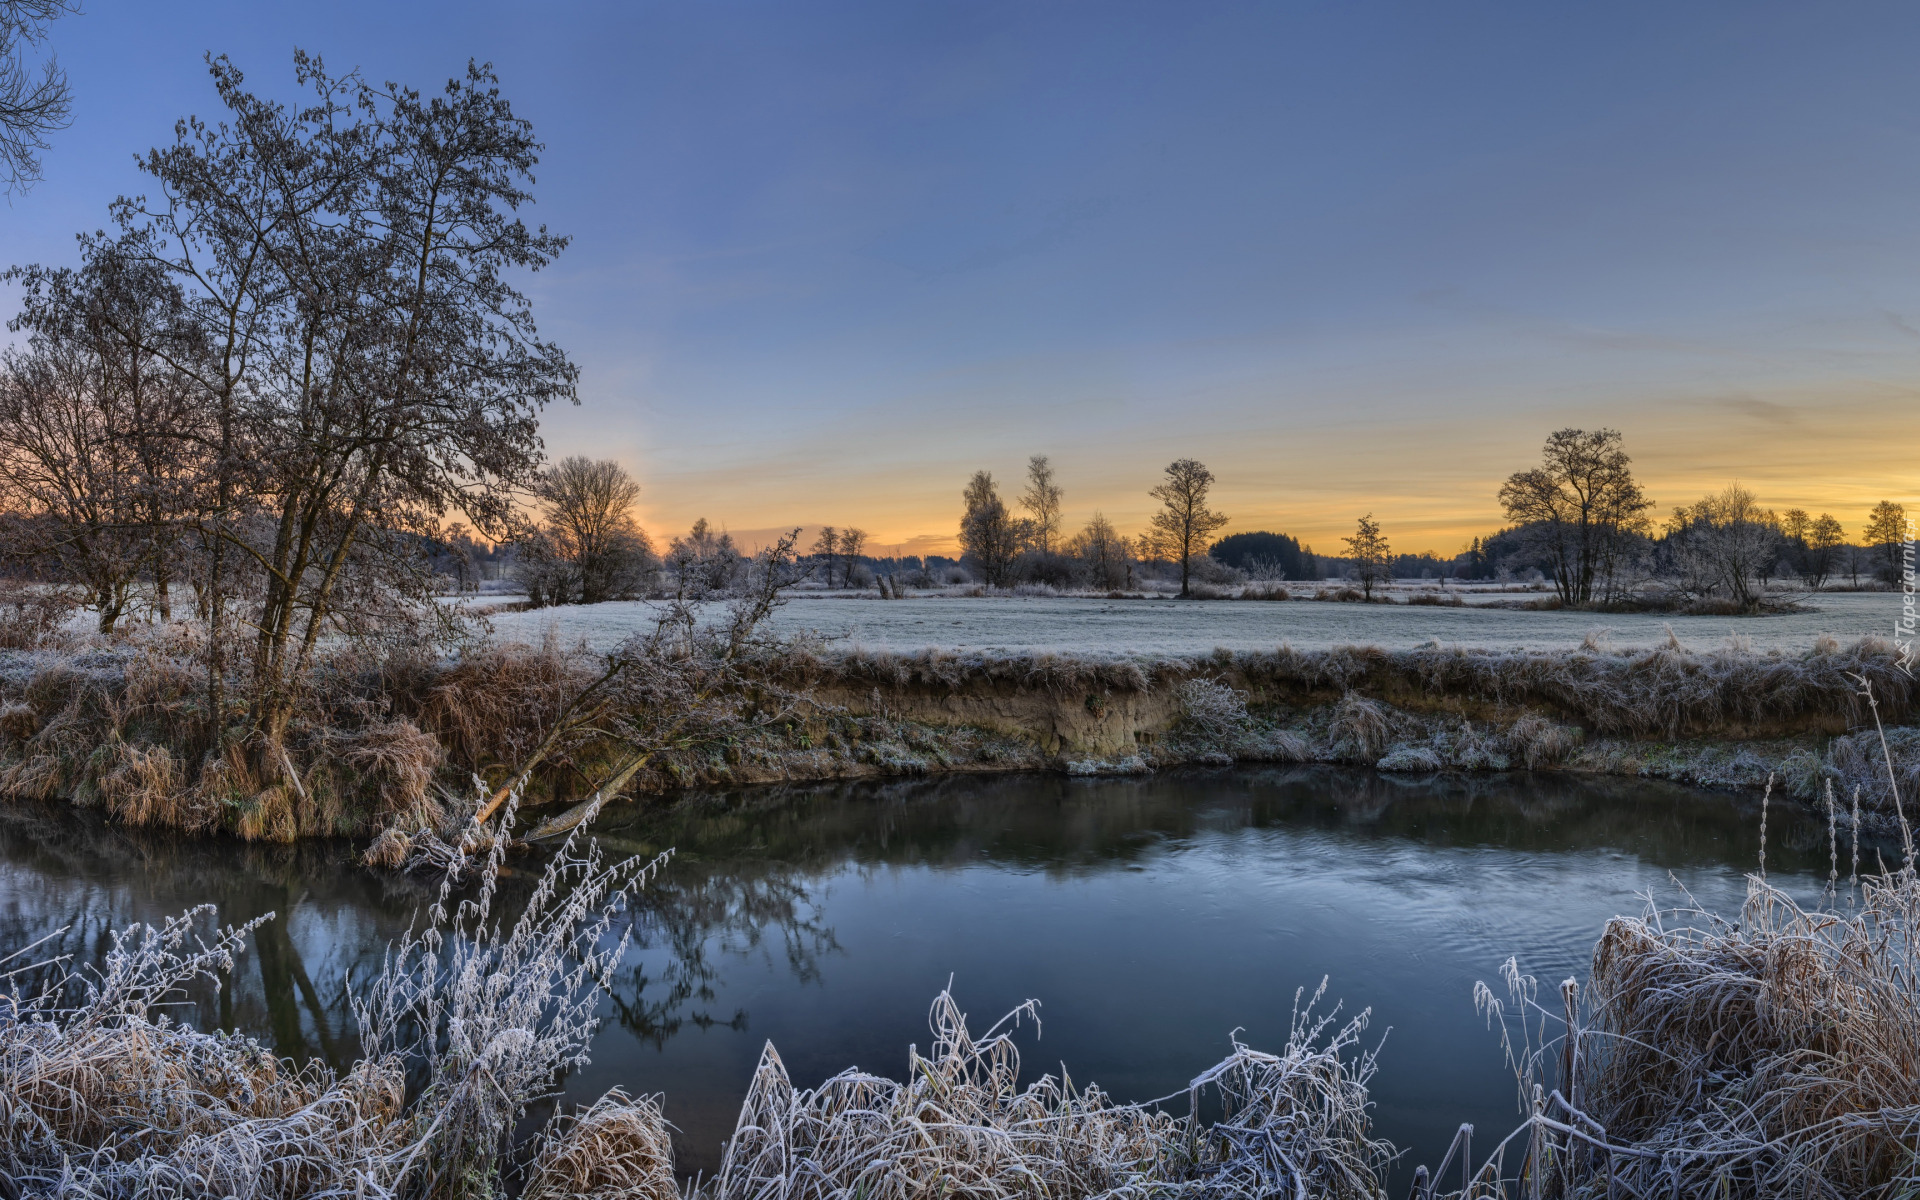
110 600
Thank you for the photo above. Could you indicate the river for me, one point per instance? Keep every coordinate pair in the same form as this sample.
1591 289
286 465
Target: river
1151 917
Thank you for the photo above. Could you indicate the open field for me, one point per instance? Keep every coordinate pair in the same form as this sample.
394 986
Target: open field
1024 625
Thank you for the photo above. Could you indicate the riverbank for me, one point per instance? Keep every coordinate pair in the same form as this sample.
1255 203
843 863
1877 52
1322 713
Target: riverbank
398 743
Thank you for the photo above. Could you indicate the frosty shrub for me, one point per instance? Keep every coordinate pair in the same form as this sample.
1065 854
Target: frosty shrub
1213 710
1409 758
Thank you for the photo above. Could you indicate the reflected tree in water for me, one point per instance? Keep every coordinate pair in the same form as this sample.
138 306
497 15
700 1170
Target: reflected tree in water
697 916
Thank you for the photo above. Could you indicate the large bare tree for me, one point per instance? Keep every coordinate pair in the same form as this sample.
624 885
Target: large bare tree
1581 507
1182 527
368 366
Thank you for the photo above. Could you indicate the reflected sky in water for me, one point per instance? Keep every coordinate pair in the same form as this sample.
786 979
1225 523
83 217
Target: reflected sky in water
1151 917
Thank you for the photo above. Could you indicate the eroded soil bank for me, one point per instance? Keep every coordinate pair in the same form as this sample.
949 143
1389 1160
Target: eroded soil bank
403 742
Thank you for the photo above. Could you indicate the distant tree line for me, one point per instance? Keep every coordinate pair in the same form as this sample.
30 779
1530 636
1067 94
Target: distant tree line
1263 555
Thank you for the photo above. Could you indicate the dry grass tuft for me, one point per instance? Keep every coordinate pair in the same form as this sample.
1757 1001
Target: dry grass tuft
1538 742
401 760
111 1099
144 787
1857 763
1212 710
1773 1055
619 1148
18 721
389 851
495 703
1358 731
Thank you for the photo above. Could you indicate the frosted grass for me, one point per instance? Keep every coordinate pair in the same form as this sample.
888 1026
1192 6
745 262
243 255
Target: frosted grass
1018 625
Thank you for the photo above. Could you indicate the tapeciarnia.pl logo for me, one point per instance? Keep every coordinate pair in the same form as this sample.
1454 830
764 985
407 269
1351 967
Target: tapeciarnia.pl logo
1904 626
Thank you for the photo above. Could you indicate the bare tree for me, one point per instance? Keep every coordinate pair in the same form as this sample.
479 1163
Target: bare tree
991 538
1372 555
367 366
1042 502
34 100
1824 538
1180 530
97 455
1582 507
852 542
705 563
826 547
1105 556
1725 542
1885 533
63 470
588 529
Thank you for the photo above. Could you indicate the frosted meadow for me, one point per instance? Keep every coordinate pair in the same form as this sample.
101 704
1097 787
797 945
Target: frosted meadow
1072 625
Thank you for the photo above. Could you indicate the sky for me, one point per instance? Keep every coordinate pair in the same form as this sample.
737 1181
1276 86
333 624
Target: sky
831 258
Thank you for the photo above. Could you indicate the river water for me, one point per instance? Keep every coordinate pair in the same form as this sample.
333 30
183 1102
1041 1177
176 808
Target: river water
1151 917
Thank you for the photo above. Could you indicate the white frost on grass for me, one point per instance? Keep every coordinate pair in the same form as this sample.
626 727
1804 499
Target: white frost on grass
1016 625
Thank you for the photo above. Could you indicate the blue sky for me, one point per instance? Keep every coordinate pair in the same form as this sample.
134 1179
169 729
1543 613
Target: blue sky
830 258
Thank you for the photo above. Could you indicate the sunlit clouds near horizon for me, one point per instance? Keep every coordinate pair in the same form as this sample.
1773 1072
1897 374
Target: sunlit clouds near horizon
829 259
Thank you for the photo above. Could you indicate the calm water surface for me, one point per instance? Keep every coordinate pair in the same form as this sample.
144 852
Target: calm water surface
1150 917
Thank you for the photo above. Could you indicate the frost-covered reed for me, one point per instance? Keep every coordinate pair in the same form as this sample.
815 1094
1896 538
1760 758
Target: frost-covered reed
473 1018
1293 1123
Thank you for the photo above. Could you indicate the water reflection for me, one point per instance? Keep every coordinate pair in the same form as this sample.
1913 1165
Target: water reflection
1150 915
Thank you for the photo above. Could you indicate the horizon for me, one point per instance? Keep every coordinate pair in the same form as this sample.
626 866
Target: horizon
827 265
